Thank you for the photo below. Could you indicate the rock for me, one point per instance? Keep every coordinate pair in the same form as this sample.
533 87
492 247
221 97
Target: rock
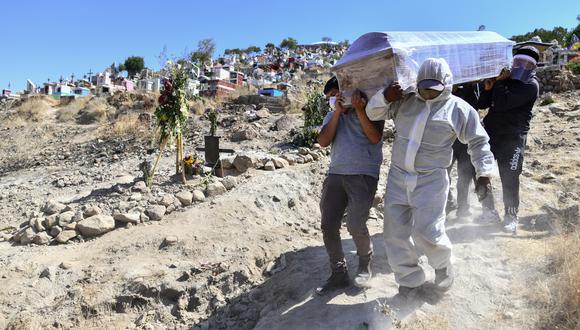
78 216
92 210
156 212
243 134
66 235
132 217
185 197
244 162
308 158
27 236
65 218
167 200
36 223
42 238
140 186
214 189
48 272
169 240
227 163
65 265
269 166
50 221
143 217
291 202
316 146
96 225
264 113
229 182
547 178
303 151
198 196
291 159
70 226
286 123
54 231
280 162
314 155
53 207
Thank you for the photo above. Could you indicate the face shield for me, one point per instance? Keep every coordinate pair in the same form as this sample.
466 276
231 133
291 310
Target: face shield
523 67
332 102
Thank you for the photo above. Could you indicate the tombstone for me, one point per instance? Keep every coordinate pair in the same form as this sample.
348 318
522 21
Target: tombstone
30 87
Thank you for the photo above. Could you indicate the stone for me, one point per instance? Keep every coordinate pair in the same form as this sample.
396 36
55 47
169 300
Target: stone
291 202
291 159
244 162
143 217
27 236
65 217
215 189
269 166
227 163
264 113
167 200
48 273
36 223
303 151
65 265
244 134
198 196
131 217
91 210
66 235
229 182
314 155
53 207
42 238
308 158
54 231
170 240
156 212
70 226
316 146
50 221
185 197
286 123
547 178
280 162
96 225
140 186
78 216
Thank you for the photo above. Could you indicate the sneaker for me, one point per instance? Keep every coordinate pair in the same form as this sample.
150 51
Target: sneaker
510 224
364 272
489 216
338 280
444 278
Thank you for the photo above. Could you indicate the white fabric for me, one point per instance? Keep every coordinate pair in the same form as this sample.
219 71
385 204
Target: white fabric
418 183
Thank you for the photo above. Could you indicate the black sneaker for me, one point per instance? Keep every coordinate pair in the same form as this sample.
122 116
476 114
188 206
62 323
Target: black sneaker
444 278
364 273
338 280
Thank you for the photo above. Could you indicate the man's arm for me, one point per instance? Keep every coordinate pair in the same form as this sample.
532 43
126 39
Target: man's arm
328 131
470 132
506 98
384 104
372 130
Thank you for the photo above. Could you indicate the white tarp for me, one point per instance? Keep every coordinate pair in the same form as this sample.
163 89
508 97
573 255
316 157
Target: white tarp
376 59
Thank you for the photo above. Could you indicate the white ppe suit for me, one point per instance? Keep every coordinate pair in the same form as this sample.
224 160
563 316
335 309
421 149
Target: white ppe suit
418 182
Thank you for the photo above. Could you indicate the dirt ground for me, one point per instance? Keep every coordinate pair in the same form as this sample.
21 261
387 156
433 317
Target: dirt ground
252 256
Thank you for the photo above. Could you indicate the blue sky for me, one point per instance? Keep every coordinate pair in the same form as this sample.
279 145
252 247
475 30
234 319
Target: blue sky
47 39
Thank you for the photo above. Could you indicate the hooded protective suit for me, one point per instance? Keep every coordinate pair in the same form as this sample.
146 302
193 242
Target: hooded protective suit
418 183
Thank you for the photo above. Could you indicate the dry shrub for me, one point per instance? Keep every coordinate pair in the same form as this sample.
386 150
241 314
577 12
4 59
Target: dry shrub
560 302
33 109
70 111
128 125
97 110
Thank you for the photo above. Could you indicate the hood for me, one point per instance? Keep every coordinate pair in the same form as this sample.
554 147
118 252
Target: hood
437 69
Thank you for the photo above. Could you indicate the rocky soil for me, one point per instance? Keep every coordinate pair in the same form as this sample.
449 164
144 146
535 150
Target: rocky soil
87 245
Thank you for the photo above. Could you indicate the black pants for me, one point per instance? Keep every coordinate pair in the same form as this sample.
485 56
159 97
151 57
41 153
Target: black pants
509 153
465 176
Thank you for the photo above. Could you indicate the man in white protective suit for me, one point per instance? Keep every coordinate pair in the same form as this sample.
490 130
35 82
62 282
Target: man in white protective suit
427 123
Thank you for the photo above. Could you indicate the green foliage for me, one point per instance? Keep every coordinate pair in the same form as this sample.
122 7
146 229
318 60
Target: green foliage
326 39
289 43
315 110
133 65
204 52
344 43
212 116
270 45
561 34
547 100
172 112
253 49
574 66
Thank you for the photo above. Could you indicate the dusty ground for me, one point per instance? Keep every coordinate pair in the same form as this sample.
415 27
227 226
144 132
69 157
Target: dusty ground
250 258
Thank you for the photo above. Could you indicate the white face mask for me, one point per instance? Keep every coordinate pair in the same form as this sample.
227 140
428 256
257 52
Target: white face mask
332 102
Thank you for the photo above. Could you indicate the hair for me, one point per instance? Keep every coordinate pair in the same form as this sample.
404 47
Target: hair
331 84
530 51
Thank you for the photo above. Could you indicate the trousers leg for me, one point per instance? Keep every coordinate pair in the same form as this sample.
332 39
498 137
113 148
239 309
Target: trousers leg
510 162
360 191
332 206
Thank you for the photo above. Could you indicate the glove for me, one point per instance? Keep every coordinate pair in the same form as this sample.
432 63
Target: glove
483 188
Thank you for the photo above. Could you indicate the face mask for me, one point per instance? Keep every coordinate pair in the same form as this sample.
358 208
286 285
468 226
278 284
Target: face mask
523 68
332 102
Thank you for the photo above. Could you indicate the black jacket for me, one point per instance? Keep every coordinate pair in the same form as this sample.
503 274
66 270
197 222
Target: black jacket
510 104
